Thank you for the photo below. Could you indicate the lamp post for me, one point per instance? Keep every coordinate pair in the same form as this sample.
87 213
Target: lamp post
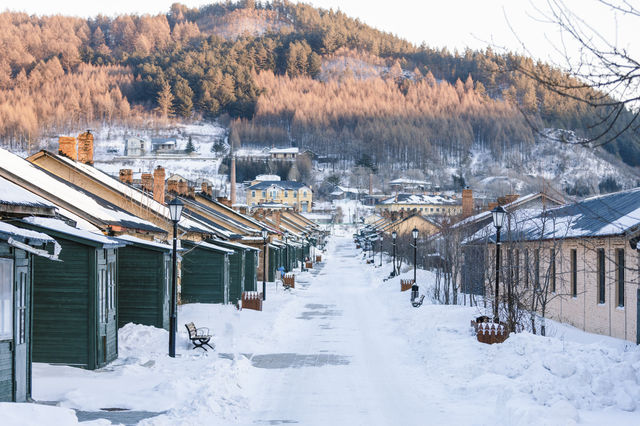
265 234
286 253
394 235
175 211
381 249
498 219
301 254
415 252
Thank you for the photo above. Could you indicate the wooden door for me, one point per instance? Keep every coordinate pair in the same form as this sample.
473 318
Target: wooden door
22 326
107 308
6 330
166 292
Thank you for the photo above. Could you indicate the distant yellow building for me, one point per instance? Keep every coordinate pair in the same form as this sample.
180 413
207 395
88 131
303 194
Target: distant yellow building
290 193
422 204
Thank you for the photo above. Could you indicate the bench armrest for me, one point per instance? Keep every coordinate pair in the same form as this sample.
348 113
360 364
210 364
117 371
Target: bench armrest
202 331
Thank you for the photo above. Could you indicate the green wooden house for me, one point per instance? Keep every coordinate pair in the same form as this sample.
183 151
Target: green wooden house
75 309
18 247
251 270
205 273
144 282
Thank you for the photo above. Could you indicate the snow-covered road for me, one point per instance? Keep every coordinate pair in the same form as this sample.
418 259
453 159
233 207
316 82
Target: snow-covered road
338 321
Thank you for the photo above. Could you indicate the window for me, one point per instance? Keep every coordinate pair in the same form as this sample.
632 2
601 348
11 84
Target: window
526 268
286 194
536 265
253 193
431 209
295 194
6 299
22 308
620 276
516 271
274 193
574 272
102 284
264 194
304 193
553 270
601 276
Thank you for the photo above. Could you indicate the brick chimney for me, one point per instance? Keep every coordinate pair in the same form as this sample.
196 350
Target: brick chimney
223 200
147 182
492 206
85 147
467 202
183 187
126 176
191 192
158 184
204 188
232 180
67 147
276 218
172 186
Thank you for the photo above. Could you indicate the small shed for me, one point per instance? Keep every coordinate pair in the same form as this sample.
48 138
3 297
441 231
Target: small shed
205 273
144 282
75 309
236 268
17 249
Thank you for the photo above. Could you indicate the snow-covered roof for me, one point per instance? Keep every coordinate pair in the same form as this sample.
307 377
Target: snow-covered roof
154 244
273 178
284 184
210 246
236 245
605 215
420 199
284 150
12 194
25 239
138 196
69 194
405 181
58 225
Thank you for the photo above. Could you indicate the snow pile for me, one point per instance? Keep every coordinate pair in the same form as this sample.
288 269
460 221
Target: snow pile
13 414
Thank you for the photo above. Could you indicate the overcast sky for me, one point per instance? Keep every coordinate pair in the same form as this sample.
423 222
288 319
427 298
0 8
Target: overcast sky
455 24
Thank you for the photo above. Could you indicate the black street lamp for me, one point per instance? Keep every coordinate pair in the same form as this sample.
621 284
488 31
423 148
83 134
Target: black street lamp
381 249
286 253
498 220
301 254
394 235
175 211
265 234
415 252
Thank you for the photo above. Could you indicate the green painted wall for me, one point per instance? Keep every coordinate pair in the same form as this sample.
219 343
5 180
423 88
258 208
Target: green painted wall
250 270
144 279
6 372
205 275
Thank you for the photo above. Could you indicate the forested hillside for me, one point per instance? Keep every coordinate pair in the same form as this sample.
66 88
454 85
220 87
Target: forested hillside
284 74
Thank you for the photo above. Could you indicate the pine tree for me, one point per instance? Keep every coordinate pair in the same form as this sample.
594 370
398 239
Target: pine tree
190 146
165 100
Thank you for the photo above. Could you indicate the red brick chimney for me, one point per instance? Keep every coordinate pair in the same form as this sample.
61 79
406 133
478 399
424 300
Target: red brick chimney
158 184
183 187
223 200
85 147
204 188
276 218
147 182
172 186
191 192
467 202
67 147
126 176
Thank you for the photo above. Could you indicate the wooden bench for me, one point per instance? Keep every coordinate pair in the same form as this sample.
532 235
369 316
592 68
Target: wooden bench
251 300
289 281
405 285
318 258
199 336
308 264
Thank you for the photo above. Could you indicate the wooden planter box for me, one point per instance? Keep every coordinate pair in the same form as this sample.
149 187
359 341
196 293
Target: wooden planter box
308 264
405 285
490 332
318 258
289 280
251 300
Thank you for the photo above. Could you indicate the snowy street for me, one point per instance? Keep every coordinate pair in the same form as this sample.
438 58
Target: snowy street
344 347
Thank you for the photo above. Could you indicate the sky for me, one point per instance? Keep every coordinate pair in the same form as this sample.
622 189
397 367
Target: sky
454 24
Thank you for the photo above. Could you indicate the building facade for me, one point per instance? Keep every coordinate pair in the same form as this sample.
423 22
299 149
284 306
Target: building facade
294 194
